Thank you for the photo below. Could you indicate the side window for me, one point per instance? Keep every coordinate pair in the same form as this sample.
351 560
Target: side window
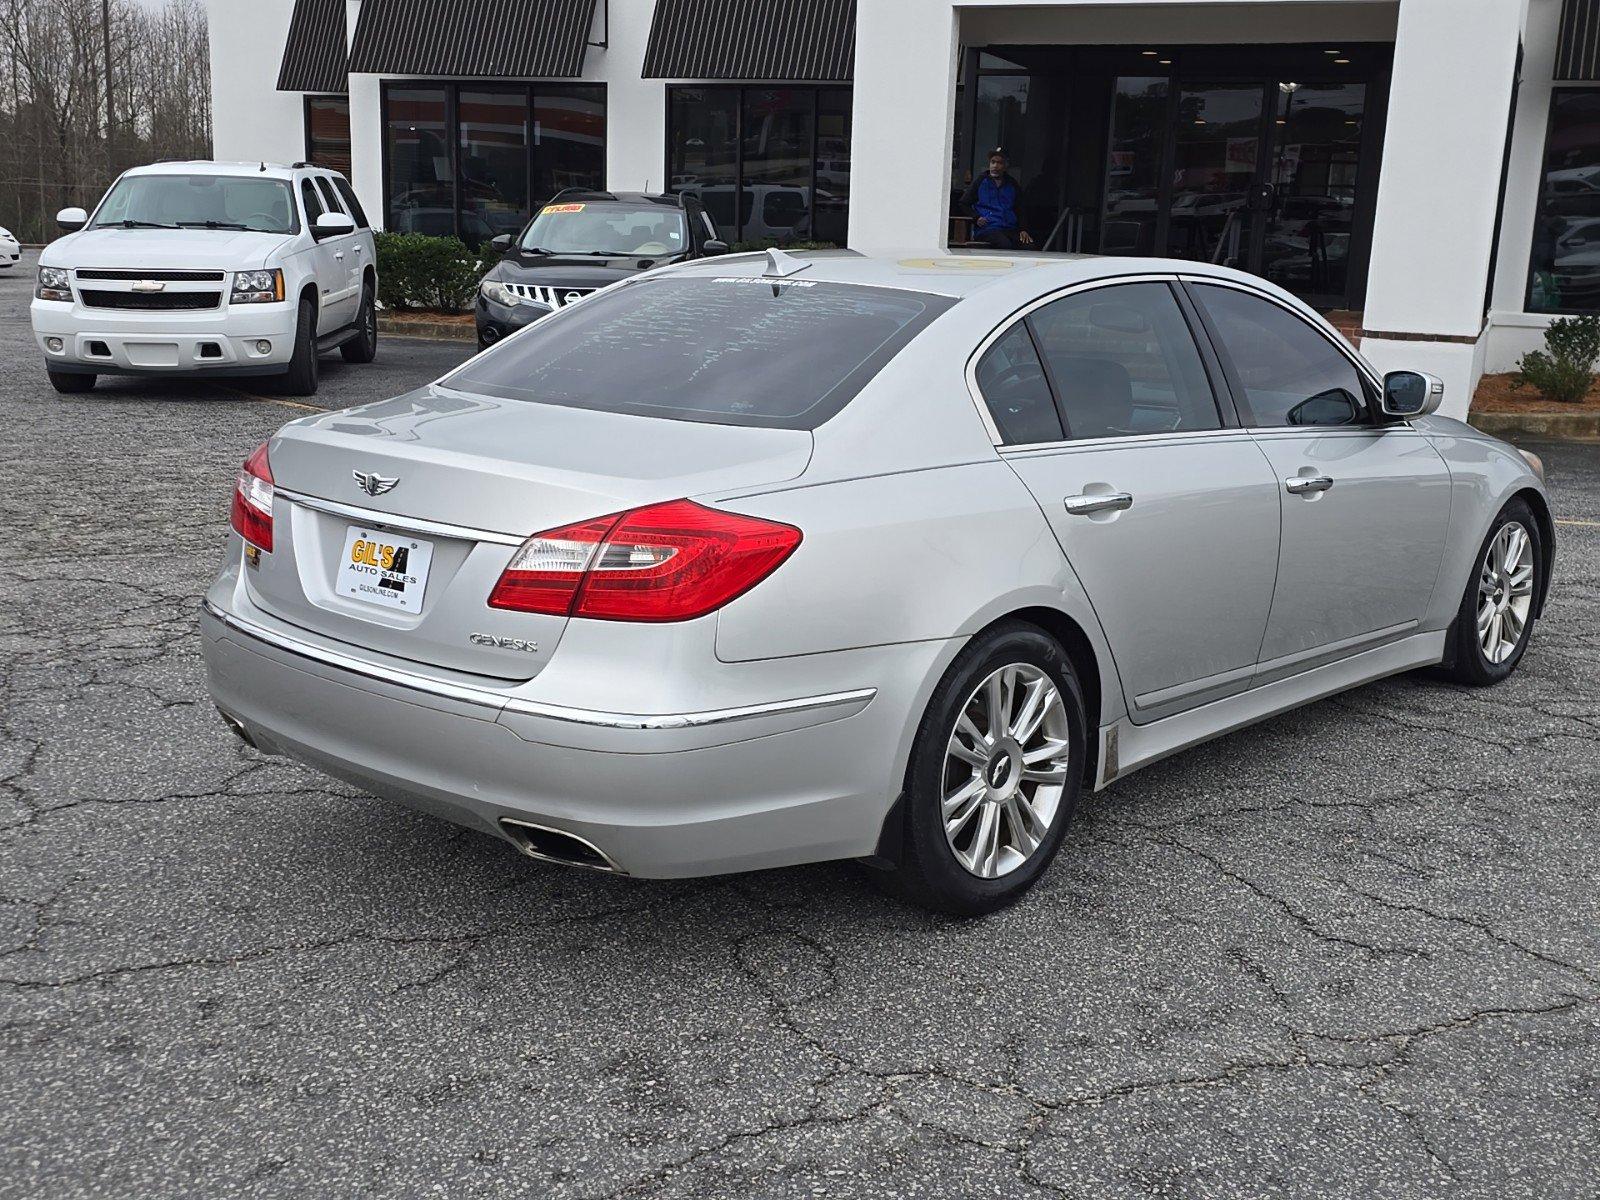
1016 391
1124 362
709 225
351 204
329 200
308 197
1291 374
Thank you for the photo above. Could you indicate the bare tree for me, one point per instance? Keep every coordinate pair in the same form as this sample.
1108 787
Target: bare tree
89 88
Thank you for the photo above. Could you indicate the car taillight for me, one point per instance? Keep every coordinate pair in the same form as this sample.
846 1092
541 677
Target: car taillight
665 562
252 500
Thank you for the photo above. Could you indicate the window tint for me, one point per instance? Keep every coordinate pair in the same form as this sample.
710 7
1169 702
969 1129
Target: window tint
329 200
308 196
1015 389
1291 374
351 204
1124 362
729 351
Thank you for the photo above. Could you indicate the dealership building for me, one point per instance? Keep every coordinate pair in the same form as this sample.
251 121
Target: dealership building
1427 170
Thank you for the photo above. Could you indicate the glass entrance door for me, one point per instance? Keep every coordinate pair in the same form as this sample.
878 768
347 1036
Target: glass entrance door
1317 151
1255 174
1217 154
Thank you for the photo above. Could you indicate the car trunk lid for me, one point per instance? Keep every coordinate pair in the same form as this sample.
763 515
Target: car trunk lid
393 521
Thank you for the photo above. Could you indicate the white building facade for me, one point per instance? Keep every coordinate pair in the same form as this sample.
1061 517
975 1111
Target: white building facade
1428 169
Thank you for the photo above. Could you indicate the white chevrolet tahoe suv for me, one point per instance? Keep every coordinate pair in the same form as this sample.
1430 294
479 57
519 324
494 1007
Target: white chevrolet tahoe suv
209 269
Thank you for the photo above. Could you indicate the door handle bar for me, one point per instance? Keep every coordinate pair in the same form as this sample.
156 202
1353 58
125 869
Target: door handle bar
1087 505
1305 485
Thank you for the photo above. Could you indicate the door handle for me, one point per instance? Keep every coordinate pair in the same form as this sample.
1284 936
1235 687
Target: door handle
358 249
1087 505
1307 485
339 254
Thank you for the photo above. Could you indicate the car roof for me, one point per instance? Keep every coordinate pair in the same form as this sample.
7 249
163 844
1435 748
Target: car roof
962 273
591 196
206 166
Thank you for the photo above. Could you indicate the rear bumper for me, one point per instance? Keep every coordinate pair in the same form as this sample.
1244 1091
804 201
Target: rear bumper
213 341
796 777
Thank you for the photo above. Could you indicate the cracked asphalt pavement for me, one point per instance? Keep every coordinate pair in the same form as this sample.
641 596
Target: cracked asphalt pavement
1353 952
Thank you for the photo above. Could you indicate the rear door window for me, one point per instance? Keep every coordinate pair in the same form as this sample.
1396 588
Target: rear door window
1013 385
732 351
1124 362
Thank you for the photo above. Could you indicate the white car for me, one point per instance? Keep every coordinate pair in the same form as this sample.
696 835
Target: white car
207 268
10 250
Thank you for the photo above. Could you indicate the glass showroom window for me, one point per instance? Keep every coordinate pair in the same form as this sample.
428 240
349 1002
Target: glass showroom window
474 160
770 163
328 133
1564 275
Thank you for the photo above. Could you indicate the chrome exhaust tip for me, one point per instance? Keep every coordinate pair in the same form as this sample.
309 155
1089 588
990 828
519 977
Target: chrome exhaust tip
239 731
557 846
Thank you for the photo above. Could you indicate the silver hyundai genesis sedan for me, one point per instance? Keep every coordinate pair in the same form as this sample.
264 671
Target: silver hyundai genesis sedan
775 559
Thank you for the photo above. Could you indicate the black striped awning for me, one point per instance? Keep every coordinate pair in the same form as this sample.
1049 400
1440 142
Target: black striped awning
1578 45
314 57
752 39
496 39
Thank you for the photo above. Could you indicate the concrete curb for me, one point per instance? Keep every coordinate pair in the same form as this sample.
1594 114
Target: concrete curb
443 331
1560 426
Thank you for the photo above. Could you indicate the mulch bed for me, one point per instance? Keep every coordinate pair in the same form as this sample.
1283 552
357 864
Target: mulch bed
1495 394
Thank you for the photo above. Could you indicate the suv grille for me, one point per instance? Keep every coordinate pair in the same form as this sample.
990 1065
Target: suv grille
168 276
149 300
555 297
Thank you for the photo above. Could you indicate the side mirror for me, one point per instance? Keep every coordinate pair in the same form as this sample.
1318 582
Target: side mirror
332 224
714 246
72 219
500 243
1332 407
1410 394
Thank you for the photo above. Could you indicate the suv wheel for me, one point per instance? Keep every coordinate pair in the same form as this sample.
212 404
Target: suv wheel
363 348
301 377
70 382
995 773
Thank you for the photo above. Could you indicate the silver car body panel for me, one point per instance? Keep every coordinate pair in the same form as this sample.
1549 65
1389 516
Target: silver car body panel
778 729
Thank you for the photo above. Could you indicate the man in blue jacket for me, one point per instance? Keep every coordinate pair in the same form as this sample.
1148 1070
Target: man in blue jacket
992 198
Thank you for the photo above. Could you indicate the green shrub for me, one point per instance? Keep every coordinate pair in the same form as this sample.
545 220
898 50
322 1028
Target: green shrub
769 243
417 271
1564 370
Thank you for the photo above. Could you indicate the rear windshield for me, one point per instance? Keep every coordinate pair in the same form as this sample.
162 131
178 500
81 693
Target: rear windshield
199 202
730 351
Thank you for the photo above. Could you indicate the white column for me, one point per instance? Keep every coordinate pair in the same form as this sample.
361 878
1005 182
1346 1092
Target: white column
1443 155
251 120
636 108
366 146
903 117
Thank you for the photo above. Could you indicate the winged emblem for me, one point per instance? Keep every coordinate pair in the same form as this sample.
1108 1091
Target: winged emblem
374 484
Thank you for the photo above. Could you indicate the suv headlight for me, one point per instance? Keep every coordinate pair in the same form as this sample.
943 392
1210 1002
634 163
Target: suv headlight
257 287
55 283
494 290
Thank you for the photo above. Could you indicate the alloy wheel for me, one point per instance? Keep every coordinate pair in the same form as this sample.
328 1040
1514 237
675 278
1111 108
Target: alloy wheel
1005 770
1505 592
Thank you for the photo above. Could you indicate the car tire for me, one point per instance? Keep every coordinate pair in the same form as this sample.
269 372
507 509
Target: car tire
301 377
1497 613
978 860
363 348
70 383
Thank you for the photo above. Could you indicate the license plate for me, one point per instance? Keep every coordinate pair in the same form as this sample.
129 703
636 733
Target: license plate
383 569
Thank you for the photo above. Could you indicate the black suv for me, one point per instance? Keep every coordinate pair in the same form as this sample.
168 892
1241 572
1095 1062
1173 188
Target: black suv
579 242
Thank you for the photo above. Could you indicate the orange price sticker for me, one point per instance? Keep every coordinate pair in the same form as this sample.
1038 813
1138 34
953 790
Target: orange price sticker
563 208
